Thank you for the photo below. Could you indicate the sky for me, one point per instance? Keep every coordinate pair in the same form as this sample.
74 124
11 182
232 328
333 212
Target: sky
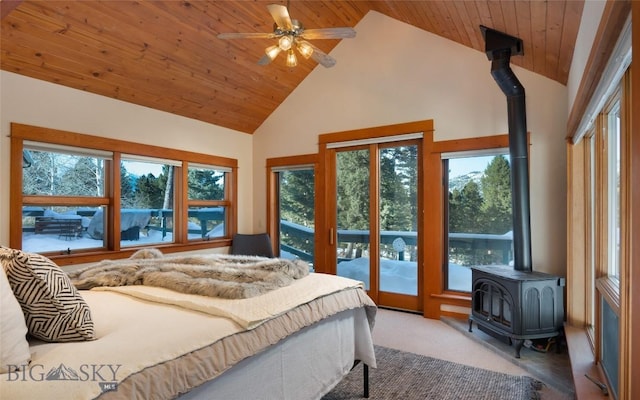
462 166
139 168
457 166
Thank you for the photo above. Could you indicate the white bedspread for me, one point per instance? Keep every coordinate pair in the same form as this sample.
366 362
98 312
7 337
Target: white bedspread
145 338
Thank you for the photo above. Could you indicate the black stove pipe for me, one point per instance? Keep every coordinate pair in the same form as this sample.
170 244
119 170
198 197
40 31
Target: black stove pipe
499 48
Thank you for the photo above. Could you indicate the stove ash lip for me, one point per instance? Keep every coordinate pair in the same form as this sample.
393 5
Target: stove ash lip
499 48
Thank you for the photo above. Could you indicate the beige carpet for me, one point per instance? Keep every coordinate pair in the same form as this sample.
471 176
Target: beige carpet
416 334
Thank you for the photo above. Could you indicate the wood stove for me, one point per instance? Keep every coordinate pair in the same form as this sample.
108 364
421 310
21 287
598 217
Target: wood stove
517 305
515 302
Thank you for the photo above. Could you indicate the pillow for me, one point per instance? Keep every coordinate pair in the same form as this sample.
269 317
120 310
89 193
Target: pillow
53 309
14 348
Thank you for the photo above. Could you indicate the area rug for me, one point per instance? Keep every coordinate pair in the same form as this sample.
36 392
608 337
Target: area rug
408 376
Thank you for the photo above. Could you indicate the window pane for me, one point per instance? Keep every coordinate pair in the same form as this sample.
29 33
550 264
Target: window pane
297 213
206 183
614 190
591 251
480 221
206 222
399 220
49 173
146 201
353 215
59 228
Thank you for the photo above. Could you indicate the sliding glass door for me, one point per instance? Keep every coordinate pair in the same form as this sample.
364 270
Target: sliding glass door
377 220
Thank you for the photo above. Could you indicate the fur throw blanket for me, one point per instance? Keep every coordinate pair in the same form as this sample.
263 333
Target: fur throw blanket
226 276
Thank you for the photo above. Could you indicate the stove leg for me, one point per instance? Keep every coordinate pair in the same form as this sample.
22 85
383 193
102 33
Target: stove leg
470 325
519 343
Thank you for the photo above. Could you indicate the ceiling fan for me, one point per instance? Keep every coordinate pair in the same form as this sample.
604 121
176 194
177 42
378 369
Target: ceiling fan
291 34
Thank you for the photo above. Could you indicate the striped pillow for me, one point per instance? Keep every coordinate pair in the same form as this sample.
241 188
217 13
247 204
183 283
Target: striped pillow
54 310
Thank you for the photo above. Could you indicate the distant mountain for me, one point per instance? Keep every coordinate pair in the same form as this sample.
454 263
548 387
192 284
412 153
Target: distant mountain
459 181
62 373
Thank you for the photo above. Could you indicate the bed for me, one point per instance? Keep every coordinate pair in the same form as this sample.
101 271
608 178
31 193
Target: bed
294 342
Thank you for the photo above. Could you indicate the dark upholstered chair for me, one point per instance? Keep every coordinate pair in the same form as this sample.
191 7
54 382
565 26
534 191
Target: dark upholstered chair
258 244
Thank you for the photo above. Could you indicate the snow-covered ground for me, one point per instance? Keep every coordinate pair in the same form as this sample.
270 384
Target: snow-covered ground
396 276
401 276
40 243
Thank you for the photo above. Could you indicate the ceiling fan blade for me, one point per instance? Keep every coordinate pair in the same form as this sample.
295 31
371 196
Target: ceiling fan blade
329 33
321 57
264 60
281 16
256 35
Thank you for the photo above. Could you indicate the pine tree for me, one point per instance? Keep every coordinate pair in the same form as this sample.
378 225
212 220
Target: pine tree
205 184
353 195
297 197
296 192
149 193
396 173
496 190
353 189
465 209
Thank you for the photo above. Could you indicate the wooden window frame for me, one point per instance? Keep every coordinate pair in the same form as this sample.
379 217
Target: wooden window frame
272 194
21 133
438 301
589 235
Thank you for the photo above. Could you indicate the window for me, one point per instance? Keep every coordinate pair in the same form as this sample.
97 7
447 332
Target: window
612 116
82 202
590 236
62 188
208 201
146 194
610 231
600 198
291 206
296 200
479 217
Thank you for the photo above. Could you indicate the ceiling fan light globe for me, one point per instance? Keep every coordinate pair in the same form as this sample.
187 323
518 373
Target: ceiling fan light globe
285 42
272 51
305 49
292 60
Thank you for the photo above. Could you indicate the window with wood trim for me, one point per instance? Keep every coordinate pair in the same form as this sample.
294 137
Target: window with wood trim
479 220
83 196
602 194
291 206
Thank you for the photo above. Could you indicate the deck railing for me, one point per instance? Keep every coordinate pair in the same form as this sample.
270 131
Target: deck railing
470 242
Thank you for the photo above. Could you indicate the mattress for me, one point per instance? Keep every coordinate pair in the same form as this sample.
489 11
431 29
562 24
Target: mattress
150 349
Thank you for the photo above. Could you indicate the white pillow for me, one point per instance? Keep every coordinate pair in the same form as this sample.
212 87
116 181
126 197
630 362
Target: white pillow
14 348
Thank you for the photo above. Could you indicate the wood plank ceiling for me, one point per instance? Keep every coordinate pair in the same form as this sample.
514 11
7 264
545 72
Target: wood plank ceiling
165 54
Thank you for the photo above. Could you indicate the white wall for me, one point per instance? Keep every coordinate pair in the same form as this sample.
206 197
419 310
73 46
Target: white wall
34 102
394 73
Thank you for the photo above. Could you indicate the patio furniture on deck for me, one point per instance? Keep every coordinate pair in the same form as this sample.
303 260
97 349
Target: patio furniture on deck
69 228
